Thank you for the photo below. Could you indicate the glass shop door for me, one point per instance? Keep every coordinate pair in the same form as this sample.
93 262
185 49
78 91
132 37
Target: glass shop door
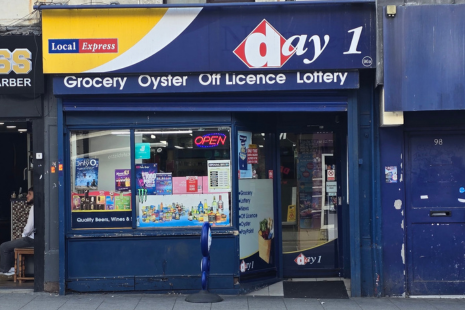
309 203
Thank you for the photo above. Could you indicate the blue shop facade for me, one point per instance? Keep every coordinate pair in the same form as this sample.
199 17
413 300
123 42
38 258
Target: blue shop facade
260 119
423 205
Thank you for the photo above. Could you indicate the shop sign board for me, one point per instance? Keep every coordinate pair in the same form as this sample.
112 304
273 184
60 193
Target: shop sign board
292 37
21 65
205 82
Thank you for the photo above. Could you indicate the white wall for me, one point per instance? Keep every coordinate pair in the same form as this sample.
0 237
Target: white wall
17 13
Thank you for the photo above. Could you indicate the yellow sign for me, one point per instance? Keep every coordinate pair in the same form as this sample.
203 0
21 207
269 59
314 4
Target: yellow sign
106 40
291 213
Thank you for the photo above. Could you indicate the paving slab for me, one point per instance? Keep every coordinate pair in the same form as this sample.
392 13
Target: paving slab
367 303
182 304
302 304
276 289
156 303
339 304
449 304
81 302
411 304
266 303
120 302
231 303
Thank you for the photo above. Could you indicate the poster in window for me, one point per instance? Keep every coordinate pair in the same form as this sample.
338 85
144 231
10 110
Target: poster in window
86 173
244 140
192 184
100 209
145 177
184 210
122 180
164 184
256 225
219 175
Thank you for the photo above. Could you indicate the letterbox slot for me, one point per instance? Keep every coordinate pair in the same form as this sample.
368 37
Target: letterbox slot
440 213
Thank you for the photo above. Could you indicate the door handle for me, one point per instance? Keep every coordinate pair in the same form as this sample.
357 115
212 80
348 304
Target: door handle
440 213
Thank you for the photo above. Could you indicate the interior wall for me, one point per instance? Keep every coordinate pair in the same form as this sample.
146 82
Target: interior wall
13 160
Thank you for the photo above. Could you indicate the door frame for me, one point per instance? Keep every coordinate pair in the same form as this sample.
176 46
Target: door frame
269 155
340 131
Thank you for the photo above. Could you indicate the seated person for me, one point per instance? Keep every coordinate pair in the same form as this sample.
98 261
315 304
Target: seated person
7 249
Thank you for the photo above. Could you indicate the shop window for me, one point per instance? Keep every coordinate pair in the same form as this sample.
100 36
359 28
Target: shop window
183 177
100 179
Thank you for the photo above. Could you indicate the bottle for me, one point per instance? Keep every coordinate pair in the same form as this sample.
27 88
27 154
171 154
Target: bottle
211 216
214 204
138 223
206 216
205 206
217 216
126 182
220 204
200 207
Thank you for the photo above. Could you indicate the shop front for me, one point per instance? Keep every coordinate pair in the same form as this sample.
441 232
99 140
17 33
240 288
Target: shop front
246 119
423 208
21 124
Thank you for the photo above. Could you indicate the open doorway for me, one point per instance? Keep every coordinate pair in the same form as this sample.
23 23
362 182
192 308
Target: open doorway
16 169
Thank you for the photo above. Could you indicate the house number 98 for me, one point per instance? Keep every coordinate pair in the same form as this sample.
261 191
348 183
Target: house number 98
437 141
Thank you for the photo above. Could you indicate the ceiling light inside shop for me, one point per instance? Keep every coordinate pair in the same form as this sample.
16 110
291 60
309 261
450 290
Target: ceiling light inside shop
123 132
22 130
260 145
2 123
10 127
164 132
178 147
153 136
159 144
138 133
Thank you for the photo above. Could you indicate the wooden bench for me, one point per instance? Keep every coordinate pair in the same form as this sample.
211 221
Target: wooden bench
20 254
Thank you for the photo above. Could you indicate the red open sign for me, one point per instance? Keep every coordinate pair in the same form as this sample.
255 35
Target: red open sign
211 139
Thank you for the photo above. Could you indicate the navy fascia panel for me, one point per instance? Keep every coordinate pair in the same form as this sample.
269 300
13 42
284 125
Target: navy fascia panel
258 101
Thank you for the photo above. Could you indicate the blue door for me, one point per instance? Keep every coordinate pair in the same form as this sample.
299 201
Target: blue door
435 213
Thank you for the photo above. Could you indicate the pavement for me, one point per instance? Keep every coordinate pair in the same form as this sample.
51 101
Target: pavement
19 299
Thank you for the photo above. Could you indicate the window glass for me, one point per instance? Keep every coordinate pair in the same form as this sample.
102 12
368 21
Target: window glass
308 191
100 179
183 177
256 201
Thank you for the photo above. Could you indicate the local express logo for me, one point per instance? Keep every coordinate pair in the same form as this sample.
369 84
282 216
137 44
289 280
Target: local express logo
82 46
265 47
